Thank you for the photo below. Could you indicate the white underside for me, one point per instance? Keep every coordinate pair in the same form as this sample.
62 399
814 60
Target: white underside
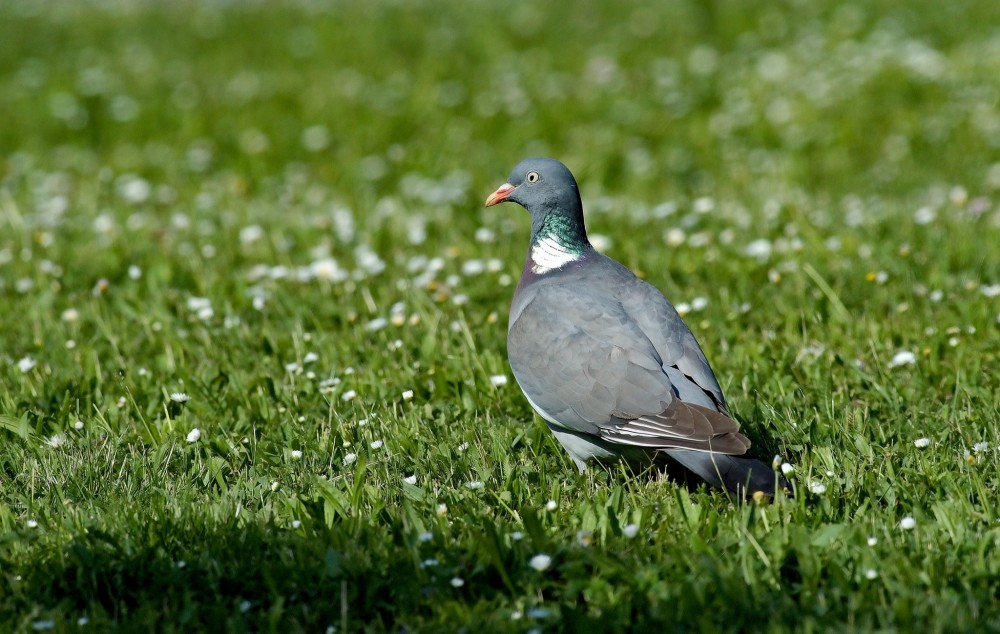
549 254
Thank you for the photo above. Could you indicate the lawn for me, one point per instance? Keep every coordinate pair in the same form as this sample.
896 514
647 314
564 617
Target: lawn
253 313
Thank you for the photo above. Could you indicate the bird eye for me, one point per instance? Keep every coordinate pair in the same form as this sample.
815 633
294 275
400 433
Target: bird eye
533 177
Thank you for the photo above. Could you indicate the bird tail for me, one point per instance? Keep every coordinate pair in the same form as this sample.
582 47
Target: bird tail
742 476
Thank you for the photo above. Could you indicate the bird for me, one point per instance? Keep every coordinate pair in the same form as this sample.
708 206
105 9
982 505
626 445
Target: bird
604 358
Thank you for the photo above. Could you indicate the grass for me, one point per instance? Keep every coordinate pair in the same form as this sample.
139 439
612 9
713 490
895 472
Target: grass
271 208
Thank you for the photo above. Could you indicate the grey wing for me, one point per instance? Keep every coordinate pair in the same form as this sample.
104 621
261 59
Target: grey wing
683 360
586 365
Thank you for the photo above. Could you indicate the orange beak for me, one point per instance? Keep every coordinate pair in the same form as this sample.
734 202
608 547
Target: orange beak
500 194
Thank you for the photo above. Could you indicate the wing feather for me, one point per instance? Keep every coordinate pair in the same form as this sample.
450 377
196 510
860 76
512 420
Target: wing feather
588 364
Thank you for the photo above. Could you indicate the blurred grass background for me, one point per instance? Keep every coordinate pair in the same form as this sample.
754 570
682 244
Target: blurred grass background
276 210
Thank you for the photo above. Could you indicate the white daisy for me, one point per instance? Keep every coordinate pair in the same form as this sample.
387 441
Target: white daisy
540 562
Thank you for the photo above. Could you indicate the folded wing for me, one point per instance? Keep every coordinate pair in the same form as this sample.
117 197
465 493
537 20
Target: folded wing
592 368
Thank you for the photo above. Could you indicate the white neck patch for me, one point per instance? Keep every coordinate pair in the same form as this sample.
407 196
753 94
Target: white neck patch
549 254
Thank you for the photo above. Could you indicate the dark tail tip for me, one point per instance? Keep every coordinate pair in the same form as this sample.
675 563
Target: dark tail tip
746 477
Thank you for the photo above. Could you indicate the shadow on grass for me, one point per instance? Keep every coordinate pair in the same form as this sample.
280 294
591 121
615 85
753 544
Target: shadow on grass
196 574
233 576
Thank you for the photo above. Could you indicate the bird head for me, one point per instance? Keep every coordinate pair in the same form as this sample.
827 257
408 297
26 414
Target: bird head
540 185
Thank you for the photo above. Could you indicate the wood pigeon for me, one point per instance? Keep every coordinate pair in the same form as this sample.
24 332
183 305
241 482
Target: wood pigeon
604 358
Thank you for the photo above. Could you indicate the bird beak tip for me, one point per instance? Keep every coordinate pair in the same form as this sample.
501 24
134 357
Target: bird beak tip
500 195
